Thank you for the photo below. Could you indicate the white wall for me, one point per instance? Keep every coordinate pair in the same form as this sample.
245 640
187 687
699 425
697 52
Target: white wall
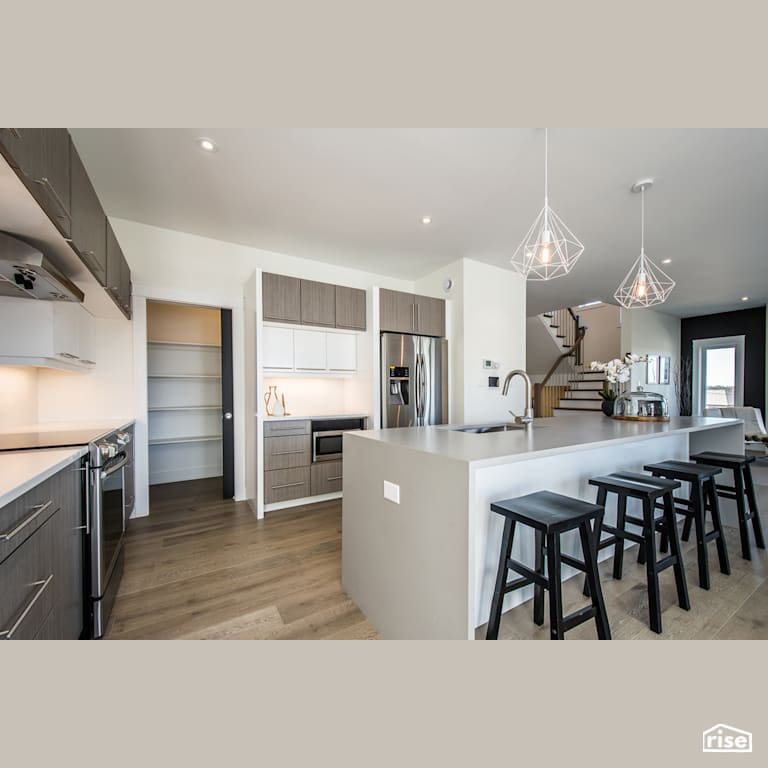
487 321
603 338
18 396
541 351
649 332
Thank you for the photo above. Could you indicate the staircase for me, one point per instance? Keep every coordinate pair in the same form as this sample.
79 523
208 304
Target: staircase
582 392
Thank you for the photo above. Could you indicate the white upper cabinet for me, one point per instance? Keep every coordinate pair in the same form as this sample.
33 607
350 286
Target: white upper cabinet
342 351
309 350
278 348
46 333
300 351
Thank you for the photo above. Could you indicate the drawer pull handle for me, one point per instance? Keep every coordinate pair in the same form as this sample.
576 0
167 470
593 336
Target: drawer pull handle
338 477
287 485
43 182
43 585
286 453
39 509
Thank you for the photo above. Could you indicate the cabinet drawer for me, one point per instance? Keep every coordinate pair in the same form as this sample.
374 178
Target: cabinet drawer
326 477
281 428
28 580
22 517
286 484
287 452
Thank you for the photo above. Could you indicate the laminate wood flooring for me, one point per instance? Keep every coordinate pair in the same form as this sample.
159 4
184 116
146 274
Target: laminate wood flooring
200 567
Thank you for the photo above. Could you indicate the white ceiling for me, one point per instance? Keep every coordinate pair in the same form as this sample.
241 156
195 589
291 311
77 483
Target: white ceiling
355 197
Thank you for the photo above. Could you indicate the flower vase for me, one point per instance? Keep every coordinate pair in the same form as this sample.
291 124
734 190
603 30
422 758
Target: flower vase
608 407
278 409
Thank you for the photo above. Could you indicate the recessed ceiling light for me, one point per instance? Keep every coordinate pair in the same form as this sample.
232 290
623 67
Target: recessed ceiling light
745 298
590 304
666 261
426 219
208 145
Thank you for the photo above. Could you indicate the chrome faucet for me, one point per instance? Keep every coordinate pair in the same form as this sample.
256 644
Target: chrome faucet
527 417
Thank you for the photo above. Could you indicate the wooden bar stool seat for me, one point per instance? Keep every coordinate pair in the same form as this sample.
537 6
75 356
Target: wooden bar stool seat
550 515
703 497
649 490
740 466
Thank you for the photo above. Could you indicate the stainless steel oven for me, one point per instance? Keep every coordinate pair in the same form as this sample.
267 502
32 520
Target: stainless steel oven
328 437
110 503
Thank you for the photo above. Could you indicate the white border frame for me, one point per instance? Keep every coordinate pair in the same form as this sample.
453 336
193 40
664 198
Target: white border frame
700 346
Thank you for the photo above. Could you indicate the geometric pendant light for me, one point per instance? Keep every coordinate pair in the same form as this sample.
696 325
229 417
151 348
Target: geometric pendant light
645 284
549 248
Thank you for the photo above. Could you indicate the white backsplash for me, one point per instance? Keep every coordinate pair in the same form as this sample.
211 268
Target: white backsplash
313 397
18 396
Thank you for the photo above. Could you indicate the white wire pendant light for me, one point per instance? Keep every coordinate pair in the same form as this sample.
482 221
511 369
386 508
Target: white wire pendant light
549 248
645 284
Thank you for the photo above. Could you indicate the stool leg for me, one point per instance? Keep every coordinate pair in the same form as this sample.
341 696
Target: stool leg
501 580
602 494
556 631
688 524
698 498
742 509
589 538
654 596
674 544
722 547
538 591
756 525
618 547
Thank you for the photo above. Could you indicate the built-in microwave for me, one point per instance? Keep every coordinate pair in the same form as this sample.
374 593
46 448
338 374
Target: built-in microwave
328 437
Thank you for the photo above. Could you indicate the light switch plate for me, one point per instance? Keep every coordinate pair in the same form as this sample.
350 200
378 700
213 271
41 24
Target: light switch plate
391 492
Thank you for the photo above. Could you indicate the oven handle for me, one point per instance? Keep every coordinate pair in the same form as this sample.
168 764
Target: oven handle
106 473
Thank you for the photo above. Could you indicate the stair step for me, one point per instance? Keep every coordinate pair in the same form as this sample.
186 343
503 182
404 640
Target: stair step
582 410
579 388
584 394
580 405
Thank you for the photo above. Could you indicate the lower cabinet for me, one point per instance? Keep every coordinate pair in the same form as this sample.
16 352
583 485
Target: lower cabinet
325 477
286 484
41 563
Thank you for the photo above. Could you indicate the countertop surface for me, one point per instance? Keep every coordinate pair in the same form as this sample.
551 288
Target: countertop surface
58 434
303 417
20 471
564 433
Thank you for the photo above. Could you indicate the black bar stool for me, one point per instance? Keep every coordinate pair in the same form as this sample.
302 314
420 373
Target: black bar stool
648 490
550 515
742 486
703 494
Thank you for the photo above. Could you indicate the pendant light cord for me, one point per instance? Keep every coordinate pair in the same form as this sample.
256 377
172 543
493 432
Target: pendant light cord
546 165
642 220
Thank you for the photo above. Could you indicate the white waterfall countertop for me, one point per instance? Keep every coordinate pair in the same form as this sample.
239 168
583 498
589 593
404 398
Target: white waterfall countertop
564 433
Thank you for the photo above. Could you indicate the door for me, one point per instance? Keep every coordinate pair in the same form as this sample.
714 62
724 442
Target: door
350 308
430 316
278 348
397 311
309 351
342 351
318 303
434 372
718 374
89 224
227 406
281 298
398 380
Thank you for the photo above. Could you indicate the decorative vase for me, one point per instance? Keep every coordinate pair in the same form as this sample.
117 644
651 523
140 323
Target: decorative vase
270 398
278 409
608 406
285 408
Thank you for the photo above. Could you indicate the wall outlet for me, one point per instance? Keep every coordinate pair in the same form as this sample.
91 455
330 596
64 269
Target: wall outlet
487 364
391 492
493 381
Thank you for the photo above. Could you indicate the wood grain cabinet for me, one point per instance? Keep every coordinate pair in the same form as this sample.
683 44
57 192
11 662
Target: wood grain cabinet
350 308
326 477
287 452
409 313
89 224
40 156
318 303
118 274
281 298
41 561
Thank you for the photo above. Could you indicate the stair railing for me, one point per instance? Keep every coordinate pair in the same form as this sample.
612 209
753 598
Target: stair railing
564 370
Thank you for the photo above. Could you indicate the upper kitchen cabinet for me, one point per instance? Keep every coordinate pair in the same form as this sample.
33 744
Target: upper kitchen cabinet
408 313
40 156
89 224
318 303
118 274
281 298
350 308
430 316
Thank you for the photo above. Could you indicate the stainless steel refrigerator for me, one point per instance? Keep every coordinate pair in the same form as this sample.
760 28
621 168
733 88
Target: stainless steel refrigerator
414 380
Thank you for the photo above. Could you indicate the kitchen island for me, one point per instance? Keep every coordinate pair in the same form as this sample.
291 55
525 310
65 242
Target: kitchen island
423 566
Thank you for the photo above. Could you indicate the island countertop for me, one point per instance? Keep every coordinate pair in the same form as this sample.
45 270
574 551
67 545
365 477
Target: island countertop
564 433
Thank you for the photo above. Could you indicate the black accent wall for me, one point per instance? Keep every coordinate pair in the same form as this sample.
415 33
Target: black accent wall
749 323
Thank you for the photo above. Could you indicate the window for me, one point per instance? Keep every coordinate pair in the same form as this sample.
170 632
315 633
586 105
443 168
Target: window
718 374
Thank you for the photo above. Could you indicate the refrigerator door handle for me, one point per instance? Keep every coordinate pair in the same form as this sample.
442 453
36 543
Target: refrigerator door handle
417 388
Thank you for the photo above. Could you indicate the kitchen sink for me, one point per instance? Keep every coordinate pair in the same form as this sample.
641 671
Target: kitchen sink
481 429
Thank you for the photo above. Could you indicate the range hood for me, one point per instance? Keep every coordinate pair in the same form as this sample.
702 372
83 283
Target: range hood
26 272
